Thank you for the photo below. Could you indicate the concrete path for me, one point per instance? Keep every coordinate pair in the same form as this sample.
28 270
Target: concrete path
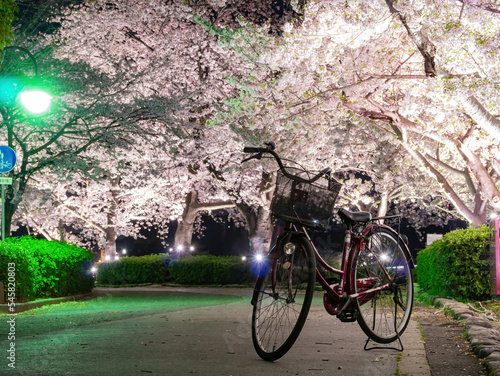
208 341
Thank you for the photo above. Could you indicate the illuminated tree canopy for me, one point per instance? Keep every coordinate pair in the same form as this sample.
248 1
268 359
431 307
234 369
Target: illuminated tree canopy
153 108
415 75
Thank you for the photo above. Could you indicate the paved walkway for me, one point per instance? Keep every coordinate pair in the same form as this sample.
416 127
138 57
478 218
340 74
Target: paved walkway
209 341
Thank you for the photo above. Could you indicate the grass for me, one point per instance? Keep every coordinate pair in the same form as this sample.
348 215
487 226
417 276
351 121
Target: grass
399 356
490 308
66 315
422 296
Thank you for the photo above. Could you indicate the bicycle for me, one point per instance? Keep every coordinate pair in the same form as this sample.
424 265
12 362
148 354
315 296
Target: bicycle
374 285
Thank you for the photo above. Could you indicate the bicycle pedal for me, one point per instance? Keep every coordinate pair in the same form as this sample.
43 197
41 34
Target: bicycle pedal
348 315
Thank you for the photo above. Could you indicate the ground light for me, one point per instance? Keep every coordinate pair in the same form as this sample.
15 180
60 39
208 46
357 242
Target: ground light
259 265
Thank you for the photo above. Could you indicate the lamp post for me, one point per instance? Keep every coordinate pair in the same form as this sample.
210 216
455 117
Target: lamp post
35 101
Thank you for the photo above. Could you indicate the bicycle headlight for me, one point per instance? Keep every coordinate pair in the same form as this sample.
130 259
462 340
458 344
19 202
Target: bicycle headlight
289 248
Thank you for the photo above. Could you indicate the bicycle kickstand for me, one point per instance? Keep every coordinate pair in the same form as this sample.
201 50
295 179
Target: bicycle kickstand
397 333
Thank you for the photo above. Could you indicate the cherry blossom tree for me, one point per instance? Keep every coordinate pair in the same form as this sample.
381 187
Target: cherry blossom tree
186 80
92 115
417 76
125 194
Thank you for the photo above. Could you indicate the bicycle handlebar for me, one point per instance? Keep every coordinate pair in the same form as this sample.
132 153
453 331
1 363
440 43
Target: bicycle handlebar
270 150
253 150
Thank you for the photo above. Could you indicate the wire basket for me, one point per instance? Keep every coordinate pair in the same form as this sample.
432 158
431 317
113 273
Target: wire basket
308 204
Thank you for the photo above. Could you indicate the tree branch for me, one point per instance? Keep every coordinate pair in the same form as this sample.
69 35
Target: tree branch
488 7
453 196
482 117
425 46
464 173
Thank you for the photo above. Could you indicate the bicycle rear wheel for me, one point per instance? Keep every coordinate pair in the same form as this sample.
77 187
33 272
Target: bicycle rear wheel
384 259
282 299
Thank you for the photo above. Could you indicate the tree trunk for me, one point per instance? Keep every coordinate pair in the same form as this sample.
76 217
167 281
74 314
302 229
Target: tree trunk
383 206
259 222
111 233
62 231
185 226
261 236
12 200
482 117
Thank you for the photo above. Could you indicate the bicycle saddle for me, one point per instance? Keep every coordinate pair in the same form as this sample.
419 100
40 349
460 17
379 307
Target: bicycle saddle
348 216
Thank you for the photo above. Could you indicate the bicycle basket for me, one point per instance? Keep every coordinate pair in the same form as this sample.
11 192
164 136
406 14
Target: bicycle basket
308 204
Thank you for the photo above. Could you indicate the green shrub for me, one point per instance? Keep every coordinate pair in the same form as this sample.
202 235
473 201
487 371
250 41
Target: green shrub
201 270
135 270
22 268
457 265
46 268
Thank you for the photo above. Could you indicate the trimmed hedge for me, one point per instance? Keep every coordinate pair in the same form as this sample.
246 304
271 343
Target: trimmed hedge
23 271
201 270
457 265
45 268
135 270
163 268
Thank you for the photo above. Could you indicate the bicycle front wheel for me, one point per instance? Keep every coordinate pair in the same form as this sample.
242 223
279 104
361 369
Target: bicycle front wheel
282 298
384 260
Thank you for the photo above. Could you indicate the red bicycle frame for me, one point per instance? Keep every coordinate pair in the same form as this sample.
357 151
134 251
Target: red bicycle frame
338 296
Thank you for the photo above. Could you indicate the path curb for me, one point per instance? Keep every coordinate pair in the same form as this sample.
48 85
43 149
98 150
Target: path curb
483 338
23 307
413 360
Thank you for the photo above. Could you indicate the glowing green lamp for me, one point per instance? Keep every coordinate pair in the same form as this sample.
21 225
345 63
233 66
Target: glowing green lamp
35 101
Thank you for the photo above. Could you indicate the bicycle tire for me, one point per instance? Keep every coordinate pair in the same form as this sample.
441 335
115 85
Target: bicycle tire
384 315
279 313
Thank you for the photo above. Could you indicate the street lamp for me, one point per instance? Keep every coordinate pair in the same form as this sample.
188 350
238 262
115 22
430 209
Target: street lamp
35 101
15 88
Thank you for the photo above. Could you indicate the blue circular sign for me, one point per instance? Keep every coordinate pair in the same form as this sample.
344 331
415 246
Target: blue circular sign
7 159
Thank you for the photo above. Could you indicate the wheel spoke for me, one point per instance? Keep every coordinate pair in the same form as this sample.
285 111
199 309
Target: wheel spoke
282 305
386 314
